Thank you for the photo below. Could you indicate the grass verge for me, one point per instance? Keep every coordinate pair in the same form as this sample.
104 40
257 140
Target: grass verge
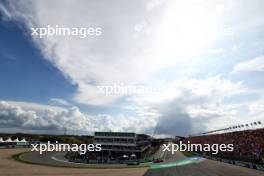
188 154
18 157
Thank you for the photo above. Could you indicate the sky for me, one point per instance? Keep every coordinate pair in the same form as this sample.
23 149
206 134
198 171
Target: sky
184 67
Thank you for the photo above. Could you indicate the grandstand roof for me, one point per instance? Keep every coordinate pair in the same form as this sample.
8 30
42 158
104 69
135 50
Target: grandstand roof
10 140
16 140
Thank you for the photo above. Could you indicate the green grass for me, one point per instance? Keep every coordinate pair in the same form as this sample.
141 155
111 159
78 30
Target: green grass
18 157
188 154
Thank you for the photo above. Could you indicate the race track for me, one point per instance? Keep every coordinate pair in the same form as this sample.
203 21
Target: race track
202 167
174 165
11 167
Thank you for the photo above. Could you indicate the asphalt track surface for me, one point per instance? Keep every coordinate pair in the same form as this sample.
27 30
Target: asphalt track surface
204 167
57 159
11 167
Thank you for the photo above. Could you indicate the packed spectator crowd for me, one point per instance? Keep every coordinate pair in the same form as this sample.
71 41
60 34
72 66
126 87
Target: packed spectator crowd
248 144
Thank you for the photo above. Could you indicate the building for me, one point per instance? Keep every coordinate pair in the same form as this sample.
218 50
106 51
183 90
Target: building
122 145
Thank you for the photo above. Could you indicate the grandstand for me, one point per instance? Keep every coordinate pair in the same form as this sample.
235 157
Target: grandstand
116 147
248 144
122 144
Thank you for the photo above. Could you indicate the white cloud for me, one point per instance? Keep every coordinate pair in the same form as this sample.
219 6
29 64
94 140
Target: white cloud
193 105
138 41
255 64
256 108
35 106
211 88
121 54
5 12
188 109
43 117
59 102
113 57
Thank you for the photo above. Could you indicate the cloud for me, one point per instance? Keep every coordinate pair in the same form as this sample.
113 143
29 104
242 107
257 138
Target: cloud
193 105
35 106
59 102
140 41
16 117
252 65
113 57
176 123
122 54
195 90
43 117
257 108
6 14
